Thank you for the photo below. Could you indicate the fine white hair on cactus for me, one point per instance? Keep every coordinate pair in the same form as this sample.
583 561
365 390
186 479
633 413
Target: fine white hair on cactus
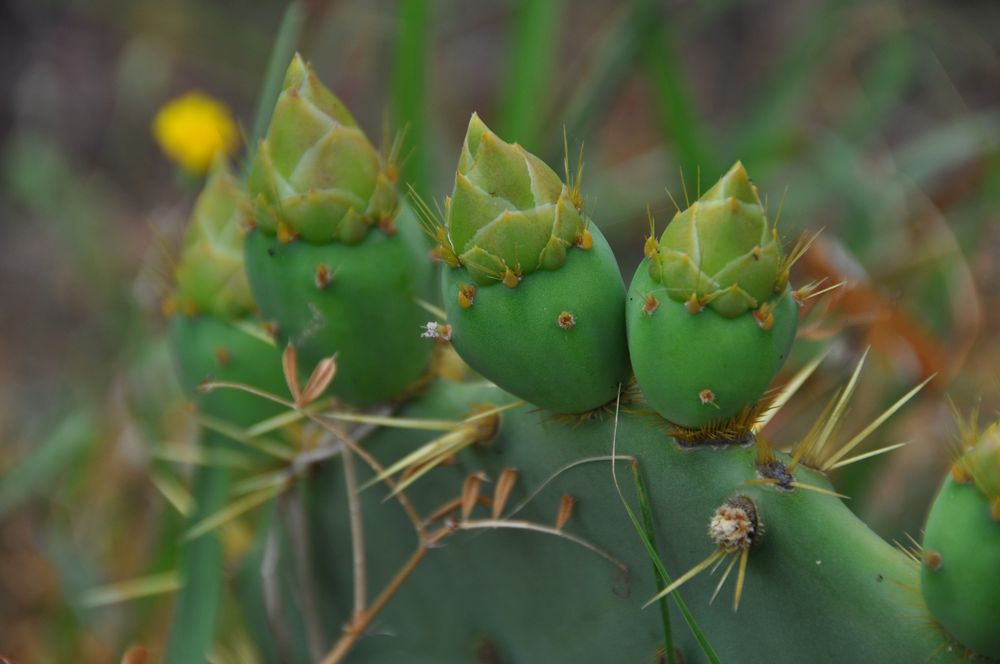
435 330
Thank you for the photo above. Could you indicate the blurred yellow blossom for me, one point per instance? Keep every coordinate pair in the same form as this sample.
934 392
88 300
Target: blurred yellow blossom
193 128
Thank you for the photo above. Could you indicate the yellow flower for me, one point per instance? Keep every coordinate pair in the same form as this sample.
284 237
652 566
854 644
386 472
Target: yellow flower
193 128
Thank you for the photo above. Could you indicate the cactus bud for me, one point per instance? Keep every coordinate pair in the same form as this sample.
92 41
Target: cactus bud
724 319
210 297
334 257
516 231
210 277
316 174
961 550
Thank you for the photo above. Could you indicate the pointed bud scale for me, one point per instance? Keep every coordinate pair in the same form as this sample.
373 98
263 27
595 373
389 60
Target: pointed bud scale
335 257
961 549
725 320
210 277
518 234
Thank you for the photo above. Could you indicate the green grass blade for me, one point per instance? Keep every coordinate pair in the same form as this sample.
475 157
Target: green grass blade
193 627
677 112
38 470
281 54
408 85
762 131
661 582
533 44
692 624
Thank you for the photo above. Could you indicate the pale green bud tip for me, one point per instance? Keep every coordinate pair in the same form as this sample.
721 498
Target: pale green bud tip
210 278
316 176
720 252
981 462
509 214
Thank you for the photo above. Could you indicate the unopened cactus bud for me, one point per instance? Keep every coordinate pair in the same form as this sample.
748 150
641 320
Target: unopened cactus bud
723 319
210 303
334 258
210 277
961 549
533 292
316 176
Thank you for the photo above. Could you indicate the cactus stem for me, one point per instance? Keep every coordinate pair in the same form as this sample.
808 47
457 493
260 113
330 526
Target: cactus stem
566 320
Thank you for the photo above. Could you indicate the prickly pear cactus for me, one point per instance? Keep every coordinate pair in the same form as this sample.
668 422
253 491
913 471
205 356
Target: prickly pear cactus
961 549
532 290
334 258
710 315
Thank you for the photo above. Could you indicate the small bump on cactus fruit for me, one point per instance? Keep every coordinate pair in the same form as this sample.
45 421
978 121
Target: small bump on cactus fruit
725 319
962 548
522 254
333 256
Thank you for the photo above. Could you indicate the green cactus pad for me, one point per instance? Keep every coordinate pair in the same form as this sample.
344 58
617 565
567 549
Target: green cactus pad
359 301
210 277
316 176
961 558
557 340
209 348
700 369
509 213
720 251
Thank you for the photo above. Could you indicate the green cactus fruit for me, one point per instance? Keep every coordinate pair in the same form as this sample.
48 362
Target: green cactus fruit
710 315
961 552
209 277
334 258
533 293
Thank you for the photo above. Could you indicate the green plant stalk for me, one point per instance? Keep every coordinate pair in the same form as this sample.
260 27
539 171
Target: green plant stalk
407 101
678 115
527 596
532 46
197 343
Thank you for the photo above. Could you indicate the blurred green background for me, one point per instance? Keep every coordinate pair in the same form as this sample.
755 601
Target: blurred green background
877 121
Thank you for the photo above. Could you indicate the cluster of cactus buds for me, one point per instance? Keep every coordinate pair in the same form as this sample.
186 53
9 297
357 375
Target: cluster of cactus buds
535 302
961 548
710 315
334 258
532 290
